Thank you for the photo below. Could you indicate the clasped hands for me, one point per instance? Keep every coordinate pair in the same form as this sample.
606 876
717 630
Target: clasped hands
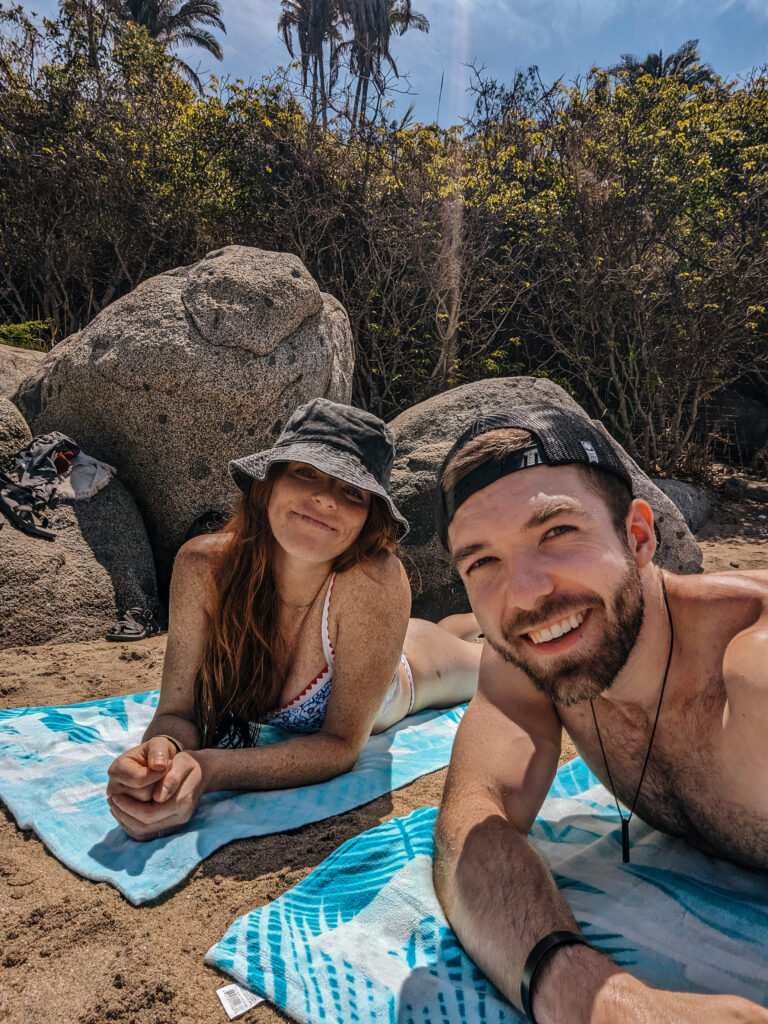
154 787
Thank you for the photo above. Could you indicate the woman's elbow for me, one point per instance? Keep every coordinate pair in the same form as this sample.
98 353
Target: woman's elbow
344 754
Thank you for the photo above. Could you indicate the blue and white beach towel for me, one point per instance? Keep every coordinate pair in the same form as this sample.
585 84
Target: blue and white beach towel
53 773
363 938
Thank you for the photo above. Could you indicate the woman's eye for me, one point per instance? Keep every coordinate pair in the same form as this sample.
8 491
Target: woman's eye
304 471
355 494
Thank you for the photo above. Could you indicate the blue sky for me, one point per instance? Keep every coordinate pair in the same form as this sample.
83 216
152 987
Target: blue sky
563 37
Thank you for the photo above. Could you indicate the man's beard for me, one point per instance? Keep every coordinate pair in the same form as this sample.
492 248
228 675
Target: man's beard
576 678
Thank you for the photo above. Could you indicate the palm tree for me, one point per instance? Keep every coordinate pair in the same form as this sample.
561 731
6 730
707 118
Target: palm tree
372 23
683 64
174 23
315 23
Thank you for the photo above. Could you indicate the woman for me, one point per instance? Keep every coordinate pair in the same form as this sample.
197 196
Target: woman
295 614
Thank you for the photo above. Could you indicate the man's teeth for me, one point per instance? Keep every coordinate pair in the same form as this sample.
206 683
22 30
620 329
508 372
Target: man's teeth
557 629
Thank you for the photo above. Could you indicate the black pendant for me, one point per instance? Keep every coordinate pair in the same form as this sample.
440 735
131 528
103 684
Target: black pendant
625 839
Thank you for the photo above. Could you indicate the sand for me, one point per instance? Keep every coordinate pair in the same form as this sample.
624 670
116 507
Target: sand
74 951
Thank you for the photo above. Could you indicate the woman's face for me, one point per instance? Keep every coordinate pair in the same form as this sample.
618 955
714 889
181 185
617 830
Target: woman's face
314 516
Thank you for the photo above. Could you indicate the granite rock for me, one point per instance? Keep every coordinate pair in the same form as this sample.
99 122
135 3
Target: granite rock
694 506
77 586
15 365
424 434
194 367
14 435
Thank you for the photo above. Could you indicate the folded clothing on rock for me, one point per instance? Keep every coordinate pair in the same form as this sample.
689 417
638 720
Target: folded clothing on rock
53 777
54 466
364 939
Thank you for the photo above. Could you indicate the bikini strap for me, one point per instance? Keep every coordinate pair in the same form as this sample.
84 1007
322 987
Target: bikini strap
326 636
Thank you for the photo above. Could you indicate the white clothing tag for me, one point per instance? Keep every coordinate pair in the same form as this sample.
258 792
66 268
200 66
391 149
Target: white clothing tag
237 1001
591 453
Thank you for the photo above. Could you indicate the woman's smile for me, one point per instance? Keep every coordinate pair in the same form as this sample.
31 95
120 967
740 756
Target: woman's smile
313 521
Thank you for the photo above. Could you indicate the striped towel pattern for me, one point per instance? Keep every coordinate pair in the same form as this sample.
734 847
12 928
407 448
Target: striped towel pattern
363 939
53 773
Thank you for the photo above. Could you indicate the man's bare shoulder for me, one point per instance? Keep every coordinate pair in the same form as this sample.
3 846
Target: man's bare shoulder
744 666
733 605
742 584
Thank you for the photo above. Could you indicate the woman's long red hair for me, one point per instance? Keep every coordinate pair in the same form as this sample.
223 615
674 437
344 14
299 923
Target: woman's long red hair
239 680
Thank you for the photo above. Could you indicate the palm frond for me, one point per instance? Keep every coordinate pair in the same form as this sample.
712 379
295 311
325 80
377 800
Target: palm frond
197 37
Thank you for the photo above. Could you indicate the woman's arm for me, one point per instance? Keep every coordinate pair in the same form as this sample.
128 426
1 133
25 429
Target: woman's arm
371 608
191 593
138 772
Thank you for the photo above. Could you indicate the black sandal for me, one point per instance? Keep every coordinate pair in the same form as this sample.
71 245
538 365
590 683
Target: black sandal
136 624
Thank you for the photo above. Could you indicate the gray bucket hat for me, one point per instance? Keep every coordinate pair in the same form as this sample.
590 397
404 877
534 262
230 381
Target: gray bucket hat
340 440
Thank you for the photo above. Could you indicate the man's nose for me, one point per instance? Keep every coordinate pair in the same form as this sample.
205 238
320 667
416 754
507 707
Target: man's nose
527 582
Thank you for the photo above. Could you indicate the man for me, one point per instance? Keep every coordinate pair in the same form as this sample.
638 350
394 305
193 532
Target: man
660 680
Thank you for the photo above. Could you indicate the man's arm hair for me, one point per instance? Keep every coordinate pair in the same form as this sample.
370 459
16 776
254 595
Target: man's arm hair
497 893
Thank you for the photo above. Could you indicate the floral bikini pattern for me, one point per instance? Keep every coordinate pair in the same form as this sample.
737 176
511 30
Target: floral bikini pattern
305 713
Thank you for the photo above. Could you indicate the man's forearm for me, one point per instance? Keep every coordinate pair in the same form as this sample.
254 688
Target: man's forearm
501 899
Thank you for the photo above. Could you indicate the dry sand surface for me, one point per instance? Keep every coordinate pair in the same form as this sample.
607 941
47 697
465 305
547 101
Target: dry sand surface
75 952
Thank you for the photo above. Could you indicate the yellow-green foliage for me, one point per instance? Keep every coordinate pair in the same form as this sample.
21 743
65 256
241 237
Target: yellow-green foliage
610 236
34 334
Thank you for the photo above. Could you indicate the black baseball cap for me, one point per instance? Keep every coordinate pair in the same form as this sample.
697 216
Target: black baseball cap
345 442
561 437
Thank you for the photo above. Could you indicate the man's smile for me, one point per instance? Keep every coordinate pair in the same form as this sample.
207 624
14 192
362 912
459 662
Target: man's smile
558 635
557 628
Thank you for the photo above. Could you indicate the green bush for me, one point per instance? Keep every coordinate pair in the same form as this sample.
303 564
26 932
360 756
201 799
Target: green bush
610 236
34 334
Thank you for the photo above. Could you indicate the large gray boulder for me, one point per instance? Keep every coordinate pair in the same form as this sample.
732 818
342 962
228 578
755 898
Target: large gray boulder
14 435
193 368
693 504
423 435
15 365
77 586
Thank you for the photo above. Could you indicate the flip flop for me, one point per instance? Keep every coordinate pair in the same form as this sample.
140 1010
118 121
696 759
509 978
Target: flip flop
24 515
136 624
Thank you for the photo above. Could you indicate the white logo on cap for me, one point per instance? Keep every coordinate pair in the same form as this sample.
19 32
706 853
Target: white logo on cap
532 459
591 453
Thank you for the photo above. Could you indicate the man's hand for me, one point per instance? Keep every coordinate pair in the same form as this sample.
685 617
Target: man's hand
627 999
153 788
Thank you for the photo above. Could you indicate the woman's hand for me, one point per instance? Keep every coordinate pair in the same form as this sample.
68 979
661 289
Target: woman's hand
153 788
138 771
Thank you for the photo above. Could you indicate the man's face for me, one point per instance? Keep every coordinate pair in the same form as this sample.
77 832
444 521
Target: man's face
553 586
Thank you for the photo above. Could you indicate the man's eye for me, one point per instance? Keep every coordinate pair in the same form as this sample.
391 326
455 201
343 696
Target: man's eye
557 531
478 563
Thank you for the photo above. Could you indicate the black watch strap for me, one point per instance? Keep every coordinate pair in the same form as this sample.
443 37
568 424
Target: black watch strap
543 948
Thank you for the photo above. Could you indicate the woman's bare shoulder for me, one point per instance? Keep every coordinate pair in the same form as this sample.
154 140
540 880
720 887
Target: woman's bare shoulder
385 571
197 558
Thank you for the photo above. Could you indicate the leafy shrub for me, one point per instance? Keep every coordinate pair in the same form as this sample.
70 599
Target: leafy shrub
34 334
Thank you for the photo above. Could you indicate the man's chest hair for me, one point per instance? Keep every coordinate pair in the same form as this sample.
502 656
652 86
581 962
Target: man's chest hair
696 785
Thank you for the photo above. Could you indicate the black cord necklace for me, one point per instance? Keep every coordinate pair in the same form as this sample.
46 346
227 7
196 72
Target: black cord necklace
625 821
